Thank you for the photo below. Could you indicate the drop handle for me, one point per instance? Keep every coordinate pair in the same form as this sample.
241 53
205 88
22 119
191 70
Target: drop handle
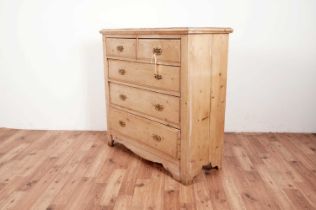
158 76
123 97
120 48
159 107
122 123
156 137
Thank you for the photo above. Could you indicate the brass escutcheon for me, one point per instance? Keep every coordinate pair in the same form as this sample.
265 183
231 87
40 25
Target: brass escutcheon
123 97
120 48
159 107
156 137
121 71
157 51
122 123
158 76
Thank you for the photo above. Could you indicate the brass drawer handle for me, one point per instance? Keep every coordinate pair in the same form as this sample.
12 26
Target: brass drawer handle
121 71
157 51
122 123
123 97
158 76
159 107
120 48
156 138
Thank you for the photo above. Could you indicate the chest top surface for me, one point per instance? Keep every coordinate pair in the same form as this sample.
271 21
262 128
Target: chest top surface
168 31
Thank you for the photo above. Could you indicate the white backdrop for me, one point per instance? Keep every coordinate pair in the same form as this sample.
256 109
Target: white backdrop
51 70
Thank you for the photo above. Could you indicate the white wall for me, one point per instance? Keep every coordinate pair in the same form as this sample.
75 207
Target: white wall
51 59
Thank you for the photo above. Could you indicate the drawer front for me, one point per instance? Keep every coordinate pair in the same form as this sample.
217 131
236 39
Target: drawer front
125 48
167 77
167 50
161 106
153 134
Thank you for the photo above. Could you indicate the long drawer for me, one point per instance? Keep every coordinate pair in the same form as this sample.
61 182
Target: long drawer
153 134
161 106
144 74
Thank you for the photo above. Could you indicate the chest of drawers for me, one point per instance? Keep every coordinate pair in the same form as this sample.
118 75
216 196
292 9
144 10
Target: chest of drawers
165 95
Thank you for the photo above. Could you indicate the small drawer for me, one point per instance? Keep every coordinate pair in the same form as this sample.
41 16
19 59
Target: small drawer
125 48
150 133
167 50
165 77
161 106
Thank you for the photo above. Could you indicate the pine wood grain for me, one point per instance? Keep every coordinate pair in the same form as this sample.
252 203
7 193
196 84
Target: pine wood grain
143 74
128 47
195 108
170 49
77 170
192 99
168 137
146 102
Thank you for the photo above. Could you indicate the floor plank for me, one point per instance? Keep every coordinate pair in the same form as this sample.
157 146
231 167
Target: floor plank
77 170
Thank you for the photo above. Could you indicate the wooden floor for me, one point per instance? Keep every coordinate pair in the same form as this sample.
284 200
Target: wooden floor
77 170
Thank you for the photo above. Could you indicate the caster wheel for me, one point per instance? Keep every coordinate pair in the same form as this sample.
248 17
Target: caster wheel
111 141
